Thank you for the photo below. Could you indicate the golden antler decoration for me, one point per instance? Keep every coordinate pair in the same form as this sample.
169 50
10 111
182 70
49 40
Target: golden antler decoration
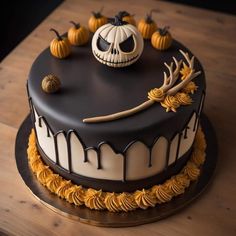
168 94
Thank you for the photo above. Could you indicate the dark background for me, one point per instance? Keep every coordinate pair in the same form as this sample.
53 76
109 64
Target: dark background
19 18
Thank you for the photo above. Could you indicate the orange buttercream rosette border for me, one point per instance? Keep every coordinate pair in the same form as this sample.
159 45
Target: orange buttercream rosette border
115 202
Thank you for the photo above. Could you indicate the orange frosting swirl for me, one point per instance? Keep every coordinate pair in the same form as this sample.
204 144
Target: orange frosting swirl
61 190
182 180
170 103
35 157
53 182
112 203
200 142
191 170
174 187
36 165
156 94
44 174
183 99
32 141
75 194
163 194
94 199
127 202
145 199
177 184
198 157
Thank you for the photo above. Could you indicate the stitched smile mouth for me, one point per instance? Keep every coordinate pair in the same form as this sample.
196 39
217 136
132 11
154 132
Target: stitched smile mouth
114 63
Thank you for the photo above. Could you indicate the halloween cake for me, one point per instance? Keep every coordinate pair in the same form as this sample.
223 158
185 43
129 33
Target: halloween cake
116 121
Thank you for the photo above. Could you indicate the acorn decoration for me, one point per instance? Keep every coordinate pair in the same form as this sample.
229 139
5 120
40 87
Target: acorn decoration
96 20
50 84
162 39
60 47
147 26
78 35
127 17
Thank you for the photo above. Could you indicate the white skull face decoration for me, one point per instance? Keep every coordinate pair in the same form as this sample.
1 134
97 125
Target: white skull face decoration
117 44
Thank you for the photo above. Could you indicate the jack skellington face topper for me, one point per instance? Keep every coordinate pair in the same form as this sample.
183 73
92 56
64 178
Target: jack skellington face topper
117 44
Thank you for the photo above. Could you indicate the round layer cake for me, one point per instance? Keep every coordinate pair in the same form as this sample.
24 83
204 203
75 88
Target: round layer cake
126 154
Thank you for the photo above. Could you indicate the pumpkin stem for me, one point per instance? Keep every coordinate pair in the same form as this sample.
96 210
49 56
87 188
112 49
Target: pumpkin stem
57 34
123 13
163 31
149 19
77 26
118 20
98 14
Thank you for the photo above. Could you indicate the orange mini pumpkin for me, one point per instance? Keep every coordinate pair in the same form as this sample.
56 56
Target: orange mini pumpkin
162 39
60 47
125 16
147 26
78 35
96 21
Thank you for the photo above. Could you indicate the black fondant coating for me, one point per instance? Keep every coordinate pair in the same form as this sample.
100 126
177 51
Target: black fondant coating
90 89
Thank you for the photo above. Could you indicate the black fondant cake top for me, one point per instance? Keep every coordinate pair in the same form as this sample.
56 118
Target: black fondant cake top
90 88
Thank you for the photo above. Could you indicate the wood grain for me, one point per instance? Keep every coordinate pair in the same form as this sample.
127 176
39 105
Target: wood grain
211 37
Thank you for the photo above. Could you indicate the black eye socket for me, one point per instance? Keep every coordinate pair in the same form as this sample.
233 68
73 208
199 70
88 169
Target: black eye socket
127 45
102 44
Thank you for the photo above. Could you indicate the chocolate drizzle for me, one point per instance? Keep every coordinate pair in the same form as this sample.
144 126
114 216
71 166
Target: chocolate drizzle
167 154
150 157
201 104
186 132
56 149
178 146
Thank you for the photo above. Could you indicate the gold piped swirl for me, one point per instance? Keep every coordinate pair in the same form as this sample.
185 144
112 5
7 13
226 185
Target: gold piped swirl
64 186
75 194
145 198
200 142
163 194
44 174
183 99
177 184
198 157
95 199
191 170
111 202
170 103
185 71
156 95
127 202
191 87
116 202
53 182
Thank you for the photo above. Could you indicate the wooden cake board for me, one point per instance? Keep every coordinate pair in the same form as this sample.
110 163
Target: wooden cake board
106 218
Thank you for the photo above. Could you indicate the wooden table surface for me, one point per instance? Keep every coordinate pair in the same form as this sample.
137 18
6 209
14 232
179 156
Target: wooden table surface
211 37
